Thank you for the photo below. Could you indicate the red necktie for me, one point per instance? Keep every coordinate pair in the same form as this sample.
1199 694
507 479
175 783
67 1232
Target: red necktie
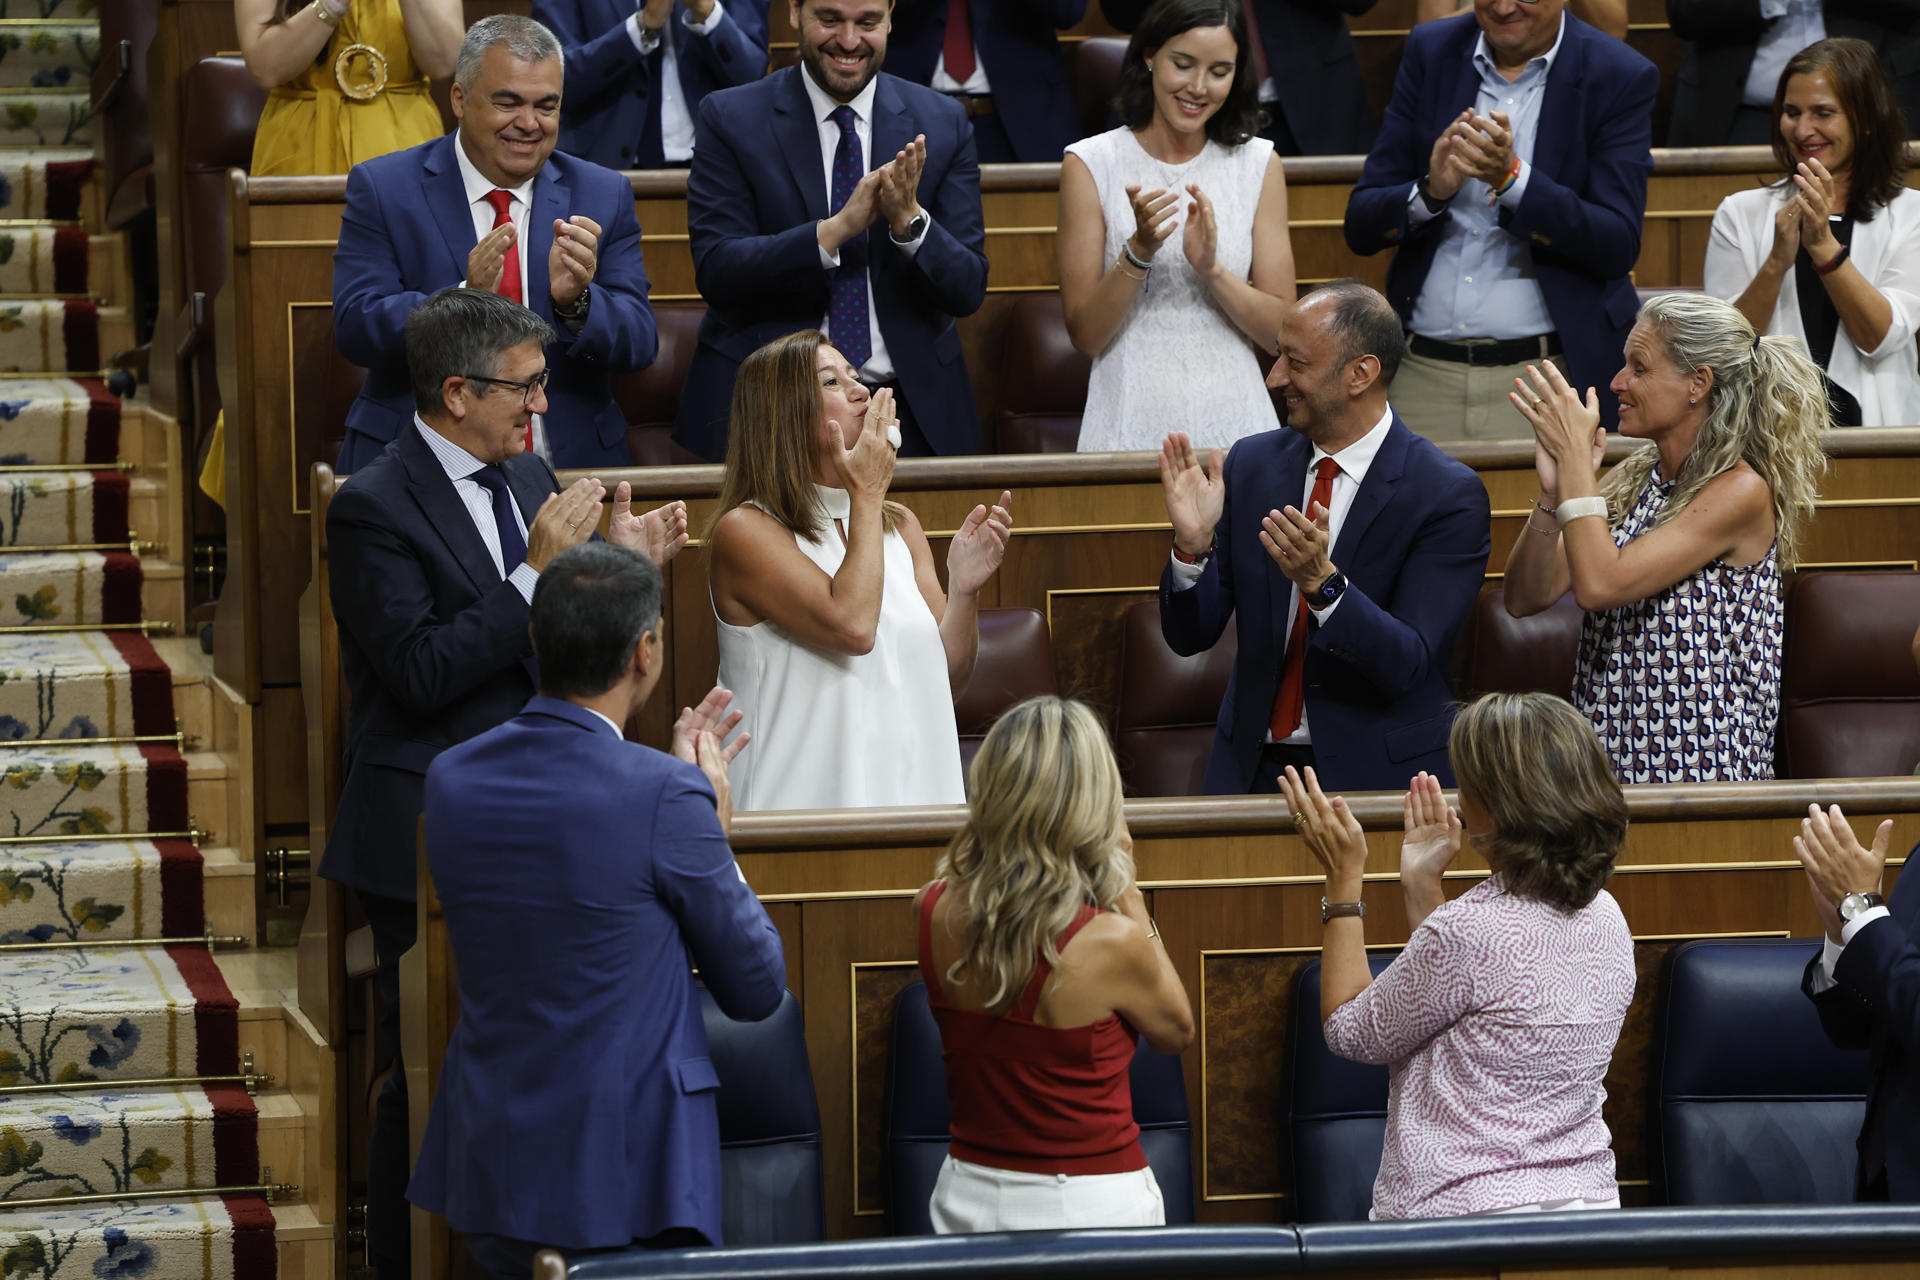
957 51
1293 671
1261 72
502 202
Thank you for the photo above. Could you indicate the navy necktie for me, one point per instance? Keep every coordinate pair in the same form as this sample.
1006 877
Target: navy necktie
847 302
513 543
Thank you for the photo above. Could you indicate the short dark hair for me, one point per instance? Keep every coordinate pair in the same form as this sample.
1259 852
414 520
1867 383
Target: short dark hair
1363 323
590 608
1239 117
463 332
1866 94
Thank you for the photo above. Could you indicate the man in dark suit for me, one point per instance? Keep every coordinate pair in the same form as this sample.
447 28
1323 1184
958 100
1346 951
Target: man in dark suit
493 206
1866 985
636 76
833 196
1002 61
579 874
435 547
1510 179
1736 50
1347 550
1309 78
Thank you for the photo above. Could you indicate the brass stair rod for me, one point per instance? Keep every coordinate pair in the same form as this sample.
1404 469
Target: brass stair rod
267 1189
248 1078
192 833
180 740
210 941
27 468
137 546
152 628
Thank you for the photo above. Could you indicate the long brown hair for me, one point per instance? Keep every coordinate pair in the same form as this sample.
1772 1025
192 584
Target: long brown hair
772 437
1860 82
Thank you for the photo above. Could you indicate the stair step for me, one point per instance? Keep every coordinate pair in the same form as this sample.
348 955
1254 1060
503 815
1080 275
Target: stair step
54 117
191 1238
48 55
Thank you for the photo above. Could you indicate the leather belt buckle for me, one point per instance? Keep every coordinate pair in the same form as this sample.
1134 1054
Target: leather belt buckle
366 87
975 104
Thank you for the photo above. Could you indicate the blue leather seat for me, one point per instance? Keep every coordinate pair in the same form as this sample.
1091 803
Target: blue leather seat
917 1119
1336 1114
1756 1104
772 1184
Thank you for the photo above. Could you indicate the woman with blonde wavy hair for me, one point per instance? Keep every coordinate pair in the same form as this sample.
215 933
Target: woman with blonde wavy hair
1679 566
1041 962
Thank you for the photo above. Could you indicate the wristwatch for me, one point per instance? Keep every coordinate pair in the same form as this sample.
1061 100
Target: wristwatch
1854 905
1334 910
915 229
575 316
1434 203
1327 592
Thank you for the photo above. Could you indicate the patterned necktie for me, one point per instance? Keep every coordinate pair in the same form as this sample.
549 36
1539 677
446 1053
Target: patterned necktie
847 299
513 544
957 50
502 202
1292 699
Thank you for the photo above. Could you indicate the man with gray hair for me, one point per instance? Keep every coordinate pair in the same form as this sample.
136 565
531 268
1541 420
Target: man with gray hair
435 547
493 206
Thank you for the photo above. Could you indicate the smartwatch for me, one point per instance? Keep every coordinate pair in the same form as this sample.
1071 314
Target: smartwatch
915 229
1326 593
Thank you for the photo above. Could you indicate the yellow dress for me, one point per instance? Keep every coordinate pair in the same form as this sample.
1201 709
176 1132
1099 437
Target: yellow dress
310 126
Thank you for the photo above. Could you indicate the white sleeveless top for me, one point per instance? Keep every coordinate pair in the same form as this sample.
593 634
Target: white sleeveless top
839 730
1177 362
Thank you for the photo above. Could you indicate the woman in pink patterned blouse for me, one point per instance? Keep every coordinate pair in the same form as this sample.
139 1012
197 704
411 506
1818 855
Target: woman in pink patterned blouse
1498 1020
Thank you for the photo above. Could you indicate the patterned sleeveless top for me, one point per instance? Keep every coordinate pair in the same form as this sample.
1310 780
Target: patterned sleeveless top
1684 686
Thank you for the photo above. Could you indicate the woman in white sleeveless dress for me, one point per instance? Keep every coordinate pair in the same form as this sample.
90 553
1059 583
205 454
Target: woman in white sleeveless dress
835 637
1174 257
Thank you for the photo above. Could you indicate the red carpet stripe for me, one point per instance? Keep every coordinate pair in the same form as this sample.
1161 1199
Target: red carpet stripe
120 588
110 494
82 332
166 788
183 908
254 1255
236 1136
103 423
216 1014
66 182
70 245
152 682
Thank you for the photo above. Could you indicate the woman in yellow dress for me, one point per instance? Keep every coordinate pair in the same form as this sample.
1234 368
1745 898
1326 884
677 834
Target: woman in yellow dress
347 79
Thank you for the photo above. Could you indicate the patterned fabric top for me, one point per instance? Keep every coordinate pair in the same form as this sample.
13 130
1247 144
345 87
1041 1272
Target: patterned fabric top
1684 686
1497 1023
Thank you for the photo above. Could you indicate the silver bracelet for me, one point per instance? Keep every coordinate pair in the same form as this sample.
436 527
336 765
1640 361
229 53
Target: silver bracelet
1571 509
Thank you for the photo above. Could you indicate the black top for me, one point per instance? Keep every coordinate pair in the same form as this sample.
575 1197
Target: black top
1822 325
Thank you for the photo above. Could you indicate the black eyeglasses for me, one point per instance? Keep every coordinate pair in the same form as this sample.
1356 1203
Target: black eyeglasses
538 382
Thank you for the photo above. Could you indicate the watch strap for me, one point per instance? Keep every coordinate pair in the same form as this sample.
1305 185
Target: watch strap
1863 903
1334 910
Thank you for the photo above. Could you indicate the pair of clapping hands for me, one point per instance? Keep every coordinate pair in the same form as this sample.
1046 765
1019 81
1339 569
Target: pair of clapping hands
700 738
568 518
1803 219
1154 218
891 192
1472 146
1297 540
570 262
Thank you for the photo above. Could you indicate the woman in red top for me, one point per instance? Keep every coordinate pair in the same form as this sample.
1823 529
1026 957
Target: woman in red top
1041 964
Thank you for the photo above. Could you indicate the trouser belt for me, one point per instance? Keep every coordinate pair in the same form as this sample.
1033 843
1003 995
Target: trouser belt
1487 352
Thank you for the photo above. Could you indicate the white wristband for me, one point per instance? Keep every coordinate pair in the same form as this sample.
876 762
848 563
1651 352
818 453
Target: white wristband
1571 509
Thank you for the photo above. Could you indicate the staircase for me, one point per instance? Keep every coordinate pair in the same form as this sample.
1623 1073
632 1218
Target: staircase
156 1078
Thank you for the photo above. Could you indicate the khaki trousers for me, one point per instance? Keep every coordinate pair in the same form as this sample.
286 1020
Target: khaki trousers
1443 400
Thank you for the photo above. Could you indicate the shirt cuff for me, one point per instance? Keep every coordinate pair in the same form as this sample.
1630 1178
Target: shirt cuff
1417 212
1184 574
828 261
1775 8
1853 927
524 577
1321 615
1829 957
1512 195
703 28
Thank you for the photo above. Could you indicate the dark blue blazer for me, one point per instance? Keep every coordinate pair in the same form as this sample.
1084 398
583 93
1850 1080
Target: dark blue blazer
1584 202
433 643
609 113
1026 69
1874 1004
406 234
1310 54
582 878
1414 547
755 192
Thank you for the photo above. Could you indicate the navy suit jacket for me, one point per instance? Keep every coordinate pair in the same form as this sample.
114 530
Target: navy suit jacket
756 190
432 640
582 877
1310 55
1026 69
609 113
1584 201
406 234
1414 547
1874 1004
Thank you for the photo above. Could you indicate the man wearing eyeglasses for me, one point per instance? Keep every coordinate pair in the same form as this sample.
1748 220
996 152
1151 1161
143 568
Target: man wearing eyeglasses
492 205
434 547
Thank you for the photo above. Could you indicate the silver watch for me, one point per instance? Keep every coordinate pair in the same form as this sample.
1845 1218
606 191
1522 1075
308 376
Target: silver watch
1854 905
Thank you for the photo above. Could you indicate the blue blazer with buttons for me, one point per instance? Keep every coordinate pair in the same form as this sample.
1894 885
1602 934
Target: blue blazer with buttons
610 112
1584 201
1414 547
405 235
582 878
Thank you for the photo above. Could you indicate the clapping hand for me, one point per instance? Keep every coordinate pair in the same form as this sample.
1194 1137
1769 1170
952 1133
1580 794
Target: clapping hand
1432 839
699 738
1331 833
1201 242
487 261
1566 431
1298 541
1153 219
565 520
1195 495
980 545
899 190
1446 170
1836 862
572 260
1483 147
1818 194
657 534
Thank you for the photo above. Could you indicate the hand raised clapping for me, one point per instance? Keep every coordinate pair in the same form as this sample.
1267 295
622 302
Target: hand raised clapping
978 548
1195 495
1154 218
1566 430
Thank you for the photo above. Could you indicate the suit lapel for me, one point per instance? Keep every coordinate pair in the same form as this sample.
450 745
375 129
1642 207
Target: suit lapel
1560 104
1376 491
798 135
547 202
445 512
447 198
1462 86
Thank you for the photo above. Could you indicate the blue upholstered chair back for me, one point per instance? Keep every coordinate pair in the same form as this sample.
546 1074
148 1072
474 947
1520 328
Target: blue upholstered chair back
917 1118
773 1188
1756 1105
1336 1114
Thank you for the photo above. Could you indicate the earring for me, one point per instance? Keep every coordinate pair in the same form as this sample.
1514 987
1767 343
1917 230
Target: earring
1692 400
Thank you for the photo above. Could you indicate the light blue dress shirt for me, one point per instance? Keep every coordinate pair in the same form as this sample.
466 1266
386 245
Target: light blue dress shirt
1794 25
1482 284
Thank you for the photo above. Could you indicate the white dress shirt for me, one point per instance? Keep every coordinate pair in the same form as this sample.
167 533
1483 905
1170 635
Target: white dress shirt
879 365
676 122
975 84
478 189
1792 25
461 467
1830 950
1354 462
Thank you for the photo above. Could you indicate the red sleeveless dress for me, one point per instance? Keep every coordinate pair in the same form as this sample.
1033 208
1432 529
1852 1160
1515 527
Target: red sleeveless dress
1031 1098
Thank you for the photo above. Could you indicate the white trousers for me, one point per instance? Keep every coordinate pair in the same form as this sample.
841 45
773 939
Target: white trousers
972 1197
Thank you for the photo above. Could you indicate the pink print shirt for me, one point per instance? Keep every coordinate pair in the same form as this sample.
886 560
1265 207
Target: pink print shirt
1497 1024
